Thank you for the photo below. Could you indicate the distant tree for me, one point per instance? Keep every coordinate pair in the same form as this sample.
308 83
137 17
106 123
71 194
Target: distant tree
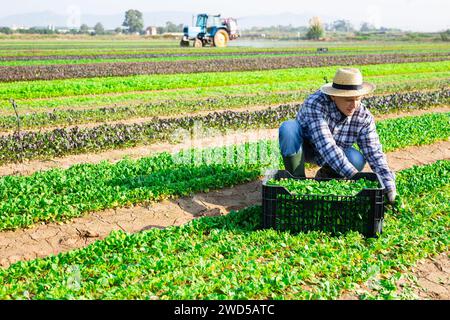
315 30
134 21
6 30
367 27
342 26
84 28
445 36
36 30
171 27
99 29
118 30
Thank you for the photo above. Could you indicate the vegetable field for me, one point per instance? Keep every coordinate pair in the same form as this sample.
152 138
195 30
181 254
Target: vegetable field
68 102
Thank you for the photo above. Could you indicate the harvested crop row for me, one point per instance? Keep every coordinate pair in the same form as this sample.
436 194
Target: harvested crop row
211 257
304 77
180 106
8 74
57 195
58 142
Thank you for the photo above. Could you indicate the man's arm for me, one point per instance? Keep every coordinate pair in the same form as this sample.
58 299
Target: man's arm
326 146
369 142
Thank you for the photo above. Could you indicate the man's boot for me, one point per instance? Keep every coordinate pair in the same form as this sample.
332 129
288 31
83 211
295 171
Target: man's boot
295 164
327 172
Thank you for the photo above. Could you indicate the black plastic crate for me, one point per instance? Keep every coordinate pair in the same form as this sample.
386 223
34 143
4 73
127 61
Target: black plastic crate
363 212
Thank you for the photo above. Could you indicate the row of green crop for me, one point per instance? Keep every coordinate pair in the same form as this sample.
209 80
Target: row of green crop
175 57
209 98
58 88
165 57
382 104
38 48
57 194
132 44
230 257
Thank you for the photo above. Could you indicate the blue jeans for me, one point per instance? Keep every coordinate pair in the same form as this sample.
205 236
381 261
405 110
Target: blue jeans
291 141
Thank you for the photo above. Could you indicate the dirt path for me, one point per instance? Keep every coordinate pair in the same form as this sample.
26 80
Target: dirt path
29 167
45 239
433 278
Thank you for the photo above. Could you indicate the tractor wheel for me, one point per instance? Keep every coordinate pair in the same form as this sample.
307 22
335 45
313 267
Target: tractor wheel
198 43
221 38
184 43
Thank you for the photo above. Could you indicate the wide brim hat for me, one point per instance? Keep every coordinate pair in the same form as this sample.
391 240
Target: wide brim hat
348 82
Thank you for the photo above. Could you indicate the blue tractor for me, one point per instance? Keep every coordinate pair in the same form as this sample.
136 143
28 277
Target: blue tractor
210 30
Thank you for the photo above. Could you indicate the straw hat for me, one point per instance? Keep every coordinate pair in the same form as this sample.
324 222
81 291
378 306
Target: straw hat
347 82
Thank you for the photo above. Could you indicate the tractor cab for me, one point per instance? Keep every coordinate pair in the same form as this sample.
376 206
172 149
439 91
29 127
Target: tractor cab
206 22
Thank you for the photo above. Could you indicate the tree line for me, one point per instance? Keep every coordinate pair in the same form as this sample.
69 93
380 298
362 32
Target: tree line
133 23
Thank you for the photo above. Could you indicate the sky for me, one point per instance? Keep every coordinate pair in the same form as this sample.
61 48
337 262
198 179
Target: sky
415 15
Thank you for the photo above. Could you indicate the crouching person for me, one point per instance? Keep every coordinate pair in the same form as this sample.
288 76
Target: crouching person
327 125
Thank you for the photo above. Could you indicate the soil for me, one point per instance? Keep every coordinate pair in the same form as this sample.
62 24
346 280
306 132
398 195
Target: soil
429 279
432 278
31 166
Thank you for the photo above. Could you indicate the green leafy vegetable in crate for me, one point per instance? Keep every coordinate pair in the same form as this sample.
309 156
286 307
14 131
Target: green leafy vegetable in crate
330 187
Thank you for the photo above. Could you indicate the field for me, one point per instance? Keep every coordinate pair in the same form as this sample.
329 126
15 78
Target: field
132 169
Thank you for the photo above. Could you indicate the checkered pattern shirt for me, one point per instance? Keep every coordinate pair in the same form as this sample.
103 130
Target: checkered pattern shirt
330 132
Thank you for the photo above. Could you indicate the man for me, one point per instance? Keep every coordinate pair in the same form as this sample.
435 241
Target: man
329 122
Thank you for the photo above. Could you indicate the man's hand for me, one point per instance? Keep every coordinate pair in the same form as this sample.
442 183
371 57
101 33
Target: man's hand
391 196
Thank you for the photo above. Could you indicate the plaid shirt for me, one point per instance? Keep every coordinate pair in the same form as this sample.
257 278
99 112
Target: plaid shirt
330 132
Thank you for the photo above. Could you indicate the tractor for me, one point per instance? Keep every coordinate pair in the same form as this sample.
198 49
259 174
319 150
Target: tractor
210 30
